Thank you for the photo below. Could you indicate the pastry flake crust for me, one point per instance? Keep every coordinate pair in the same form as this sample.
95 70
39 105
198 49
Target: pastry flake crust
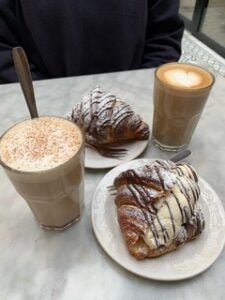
106 119
157 207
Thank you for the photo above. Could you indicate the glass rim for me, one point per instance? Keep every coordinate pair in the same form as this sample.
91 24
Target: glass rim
186 89
24 172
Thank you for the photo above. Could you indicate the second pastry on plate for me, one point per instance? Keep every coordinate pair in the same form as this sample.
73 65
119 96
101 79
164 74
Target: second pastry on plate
107 121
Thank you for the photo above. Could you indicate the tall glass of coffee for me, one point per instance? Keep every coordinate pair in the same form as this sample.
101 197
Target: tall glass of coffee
180 93
44 159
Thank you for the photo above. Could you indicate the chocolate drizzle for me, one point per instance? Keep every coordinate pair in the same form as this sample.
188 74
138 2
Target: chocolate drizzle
157 176
141 196
179 205
177 191
184 190
107 119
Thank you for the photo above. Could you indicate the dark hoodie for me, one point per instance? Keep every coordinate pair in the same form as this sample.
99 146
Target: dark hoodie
77 37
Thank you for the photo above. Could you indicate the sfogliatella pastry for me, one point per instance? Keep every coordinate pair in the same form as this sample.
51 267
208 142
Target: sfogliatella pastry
157 207
106 119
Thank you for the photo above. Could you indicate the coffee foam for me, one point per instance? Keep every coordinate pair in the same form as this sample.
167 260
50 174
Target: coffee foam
184 76
40 144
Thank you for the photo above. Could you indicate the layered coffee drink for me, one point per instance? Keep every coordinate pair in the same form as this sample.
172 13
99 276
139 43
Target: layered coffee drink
180 93
44 159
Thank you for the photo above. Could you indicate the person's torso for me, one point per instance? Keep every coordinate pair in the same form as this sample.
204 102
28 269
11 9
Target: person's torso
76 37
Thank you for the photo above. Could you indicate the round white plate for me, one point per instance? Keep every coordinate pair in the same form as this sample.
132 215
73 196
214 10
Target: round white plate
191 259
94 160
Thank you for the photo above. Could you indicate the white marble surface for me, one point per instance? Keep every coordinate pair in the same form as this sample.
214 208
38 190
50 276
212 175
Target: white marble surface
35 264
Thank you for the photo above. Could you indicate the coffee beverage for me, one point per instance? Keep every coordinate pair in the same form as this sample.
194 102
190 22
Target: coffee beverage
43 158
180 93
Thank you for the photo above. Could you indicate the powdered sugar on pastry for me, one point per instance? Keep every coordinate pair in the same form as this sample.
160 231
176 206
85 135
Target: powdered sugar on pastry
107 119
175 211
165 195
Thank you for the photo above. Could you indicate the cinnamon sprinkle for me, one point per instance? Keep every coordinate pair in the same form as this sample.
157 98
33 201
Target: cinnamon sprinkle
40 144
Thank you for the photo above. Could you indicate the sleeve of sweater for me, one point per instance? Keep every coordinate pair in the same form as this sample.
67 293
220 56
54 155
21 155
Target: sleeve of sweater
9 38
163 34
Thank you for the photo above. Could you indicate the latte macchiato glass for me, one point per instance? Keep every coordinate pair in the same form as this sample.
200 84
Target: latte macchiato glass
180 94
44 159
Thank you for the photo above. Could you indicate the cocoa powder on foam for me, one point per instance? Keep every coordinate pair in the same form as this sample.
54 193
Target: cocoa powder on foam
40 144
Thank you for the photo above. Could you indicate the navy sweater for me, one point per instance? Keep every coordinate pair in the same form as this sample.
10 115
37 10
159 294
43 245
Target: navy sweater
77 37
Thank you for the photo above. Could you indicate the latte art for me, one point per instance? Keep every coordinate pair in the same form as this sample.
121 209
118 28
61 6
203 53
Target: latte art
182 78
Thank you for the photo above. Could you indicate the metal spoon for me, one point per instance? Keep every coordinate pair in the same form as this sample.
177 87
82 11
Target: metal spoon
24 77
181 155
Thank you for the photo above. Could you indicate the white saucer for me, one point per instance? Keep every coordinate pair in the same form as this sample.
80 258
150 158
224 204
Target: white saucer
94 160
188 261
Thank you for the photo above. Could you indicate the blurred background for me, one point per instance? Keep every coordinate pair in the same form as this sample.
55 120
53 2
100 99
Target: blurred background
204 38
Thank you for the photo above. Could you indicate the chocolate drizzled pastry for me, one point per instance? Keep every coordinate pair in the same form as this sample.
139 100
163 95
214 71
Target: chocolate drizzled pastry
106 119
157 207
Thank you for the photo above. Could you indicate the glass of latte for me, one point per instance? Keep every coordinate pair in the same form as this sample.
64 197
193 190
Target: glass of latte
180 93
44 159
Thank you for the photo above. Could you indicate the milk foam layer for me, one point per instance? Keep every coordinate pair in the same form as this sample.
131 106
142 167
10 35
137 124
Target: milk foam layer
184 76
40 144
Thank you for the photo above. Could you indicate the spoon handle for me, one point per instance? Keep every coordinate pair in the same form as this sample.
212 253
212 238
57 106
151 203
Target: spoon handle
183 154
24 76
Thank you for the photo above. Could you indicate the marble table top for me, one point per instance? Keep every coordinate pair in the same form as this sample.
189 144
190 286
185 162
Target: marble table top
35 264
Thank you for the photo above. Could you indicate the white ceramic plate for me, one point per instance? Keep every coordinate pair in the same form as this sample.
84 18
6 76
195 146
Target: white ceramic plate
188 261
94 160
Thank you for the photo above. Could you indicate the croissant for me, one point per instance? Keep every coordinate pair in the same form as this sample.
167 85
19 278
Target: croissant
105 119
157 207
